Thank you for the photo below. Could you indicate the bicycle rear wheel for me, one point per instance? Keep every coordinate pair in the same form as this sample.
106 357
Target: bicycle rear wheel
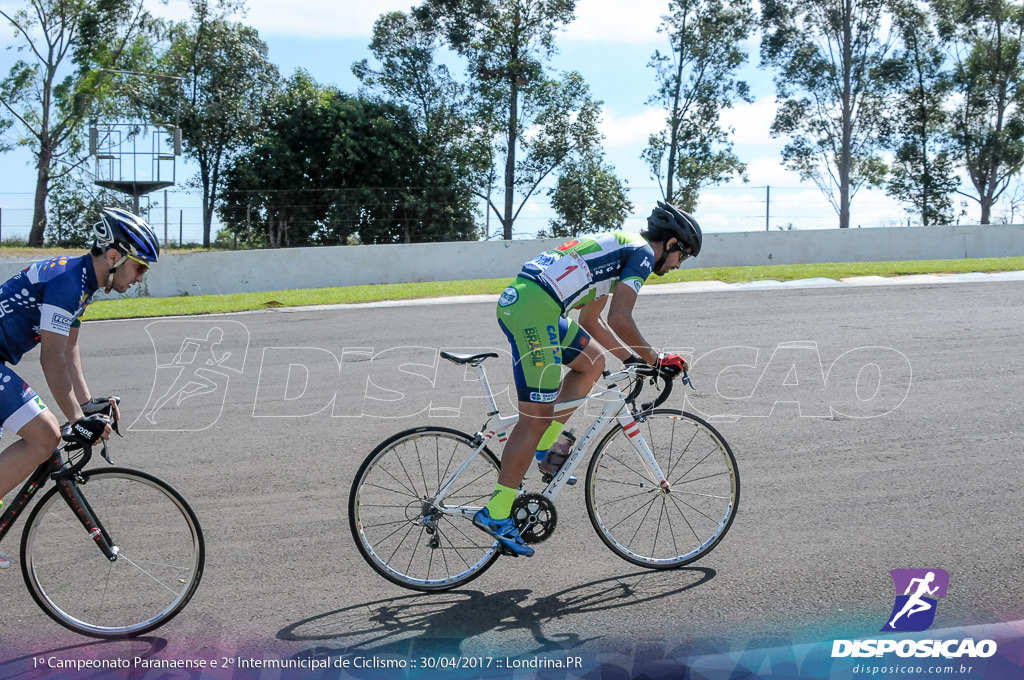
641 523
392 518
158 566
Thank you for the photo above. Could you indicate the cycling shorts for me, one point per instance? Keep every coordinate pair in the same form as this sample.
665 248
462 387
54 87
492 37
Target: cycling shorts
19 403
542 339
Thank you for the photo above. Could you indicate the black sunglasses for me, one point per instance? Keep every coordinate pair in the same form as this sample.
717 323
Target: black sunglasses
677 247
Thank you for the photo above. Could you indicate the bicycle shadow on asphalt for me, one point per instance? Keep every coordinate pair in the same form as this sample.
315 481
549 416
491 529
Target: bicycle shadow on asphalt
32 664
438 624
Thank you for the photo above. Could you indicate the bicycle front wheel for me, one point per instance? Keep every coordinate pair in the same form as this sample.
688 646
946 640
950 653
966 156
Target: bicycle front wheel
397 526
638 520
158 566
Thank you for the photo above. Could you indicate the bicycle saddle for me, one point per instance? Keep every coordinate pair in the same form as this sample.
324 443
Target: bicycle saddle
472 359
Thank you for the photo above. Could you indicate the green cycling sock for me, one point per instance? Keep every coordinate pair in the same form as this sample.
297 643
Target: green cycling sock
500 505
550 435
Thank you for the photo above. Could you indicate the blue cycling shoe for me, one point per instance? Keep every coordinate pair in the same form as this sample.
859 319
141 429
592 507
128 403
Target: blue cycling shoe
504 531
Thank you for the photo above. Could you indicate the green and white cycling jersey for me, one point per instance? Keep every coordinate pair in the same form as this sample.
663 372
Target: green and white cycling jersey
590 267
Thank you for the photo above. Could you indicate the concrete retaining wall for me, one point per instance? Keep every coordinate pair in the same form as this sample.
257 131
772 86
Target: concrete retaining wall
266 270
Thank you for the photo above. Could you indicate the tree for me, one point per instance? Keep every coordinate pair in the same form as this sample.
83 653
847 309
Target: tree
74 206
922 172
408 75
696 81
330 167
220 104
588 197
73 44
988 121
829 54
539 124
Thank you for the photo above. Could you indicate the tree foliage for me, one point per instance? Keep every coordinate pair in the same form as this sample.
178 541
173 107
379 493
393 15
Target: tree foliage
831 55
219 104
696 82
987 40
922 173
587 198
71 46
332 168
534 124
74 206
409 75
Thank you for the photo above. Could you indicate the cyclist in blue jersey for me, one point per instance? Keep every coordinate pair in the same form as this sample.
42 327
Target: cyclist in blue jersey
42 305
533 313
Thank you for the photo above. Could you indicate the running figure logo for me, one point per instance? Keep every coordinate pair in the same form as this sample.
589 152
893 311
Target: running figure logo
195 362
917 590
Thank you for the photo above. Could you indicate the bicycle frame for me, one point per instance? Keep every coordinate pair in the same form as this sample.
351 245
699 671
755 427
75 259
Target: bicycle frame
53 468
615 408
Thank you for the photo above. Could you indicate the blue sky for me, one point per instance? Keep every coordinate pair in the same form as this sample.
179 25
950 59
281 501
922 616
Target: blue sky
608 44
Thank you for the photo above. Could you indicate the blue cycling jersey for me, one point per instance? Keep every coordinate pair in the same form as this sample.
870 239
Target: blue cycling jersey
46 296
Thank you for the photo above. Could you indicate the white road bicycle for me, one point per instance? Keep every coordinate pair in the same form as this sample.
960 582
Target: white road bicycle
662 487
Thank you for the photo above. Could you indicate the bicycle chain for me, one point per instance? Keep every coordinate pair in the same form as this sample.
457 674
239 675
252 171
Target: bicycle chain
535 517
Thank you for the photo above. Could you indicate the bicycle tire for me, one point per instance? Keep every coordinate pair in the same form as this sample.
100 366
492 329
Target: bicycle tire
645 526
158 568
389 504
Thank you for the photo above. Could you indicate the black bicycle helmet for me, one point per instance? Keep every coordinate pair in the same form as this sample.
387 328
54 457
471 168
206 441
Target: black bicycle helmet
128 233
667 220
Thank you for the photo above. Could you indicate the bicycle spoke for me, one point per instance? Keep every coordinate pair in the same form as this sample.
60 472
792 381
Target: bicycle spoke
157 569
623 462
443 553
646 525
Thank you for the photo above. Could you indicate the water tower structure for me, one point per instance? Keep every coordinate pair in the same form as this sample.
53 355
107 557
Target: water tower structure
134 158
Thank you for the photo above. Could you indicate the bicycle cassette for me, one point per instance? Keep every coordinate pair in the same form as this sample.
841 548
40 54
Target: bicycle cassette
535 517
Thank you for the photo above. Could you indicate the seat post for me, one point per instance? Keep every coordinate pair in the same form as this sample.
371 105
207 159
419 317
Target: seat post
492 405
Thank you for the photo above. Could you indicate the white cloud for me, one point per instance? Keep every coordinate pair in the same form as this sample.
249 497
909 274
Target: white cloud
318 19
751 122
768 170
630 131
305 18
612 21
604 21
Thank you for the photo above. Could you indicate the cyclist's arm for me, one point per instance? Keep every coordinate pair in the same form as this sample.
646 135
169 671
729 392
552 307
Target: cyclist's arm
593 323
53 357
620 319
74 361
613 334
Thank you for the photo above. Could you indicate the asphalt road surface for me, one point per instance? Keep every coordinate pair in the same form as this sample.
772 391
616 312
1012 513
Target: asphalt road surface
875 428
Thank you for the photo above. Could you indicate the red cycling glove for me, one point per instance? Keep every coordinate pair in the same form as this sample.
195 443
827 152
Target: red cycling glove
671 365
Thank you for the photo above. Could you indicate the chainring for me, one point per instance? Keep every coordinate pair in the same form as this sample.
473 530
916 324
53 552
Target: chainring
535 517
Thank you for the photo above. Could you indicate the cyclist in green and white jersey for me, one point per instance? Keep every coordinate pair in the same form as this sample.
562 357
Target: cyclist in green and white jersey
533 312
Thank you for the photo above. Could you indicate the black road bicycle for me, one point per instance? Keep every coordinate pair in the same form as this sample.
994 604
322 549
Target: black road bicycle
107 552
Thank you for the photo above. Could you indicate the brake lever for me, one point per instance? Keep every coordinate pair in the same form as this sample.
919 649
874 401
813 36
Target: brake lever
106 453
686 380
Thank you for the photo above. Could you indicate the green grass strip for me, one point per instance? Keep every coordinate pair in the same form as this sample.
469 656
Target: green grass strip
241 302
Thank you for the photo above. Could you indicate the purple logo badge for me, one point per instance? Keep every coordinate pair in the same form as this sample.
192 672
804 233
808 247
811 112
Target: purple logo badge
916 593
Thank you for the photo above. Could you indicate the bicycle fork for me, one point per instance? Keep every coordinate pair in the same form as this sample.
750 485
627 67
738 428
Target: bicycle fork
631 429
72 495
615 409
